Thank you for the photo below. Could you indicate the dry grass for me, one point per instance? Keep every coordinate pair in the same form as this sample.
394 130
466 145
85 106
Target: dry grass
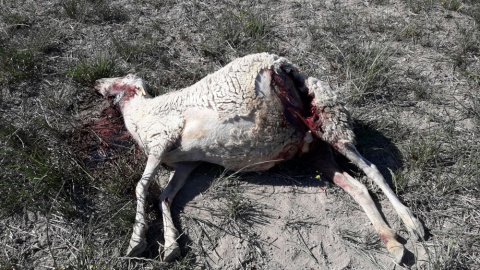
408 70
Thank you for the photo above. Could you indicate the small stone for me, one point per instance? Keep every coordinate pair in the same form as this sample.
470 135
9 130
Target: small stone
31 216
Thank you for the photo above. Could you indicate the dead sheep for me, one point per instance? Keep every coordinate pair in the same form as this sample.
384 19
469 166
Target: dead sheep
250 115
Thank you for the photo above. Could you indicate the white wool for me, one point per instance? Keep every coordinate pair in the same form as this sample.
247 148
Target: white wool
225 118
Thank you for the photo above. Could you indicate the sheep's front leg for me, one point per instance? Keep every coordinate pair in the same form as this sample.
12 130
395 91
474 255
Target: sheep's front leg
137 242
171 249
413 225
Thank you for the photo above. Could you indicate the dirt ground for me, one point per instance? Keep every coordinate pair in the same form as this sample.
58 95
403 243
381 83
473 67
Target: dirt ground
408 71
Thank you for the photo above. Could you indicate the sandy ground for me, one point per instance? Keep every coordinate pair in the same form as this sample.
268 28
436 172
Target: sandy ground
300 224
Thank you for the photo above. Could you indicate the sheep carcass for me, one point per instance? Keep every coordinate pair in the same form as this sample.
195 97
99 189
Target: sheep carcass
250 115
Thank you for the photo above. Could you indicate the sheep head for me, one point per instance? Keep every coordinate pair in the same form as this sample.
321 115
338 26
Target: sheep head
119 90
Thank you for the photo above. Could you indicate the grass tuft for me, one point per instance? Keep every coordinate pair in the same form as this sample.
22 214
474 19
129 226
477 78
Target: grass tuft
97 11
18 65
452 5
111 14
32 179
423 152
417 7
409 32
75 9
87 72
237 209
400 181
368 70
368 241
17 20
246 30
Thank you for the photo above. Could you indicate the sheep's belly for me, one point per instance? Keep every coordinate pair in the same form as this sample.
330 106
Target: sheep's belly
253 154
257 154
237 144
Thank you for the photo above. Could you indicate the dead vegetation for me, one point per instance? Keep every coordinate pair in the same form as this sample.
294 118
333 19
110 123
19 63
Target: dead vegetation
408 70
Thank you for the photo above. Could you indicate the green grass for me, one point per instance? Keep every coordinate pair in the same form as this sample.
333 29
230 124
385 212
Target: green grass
423 152
409 33
241 29
400 181
365 70
111 13
445 257
245 28
420 6
452 5
18 64
475 14
339 27
17 20
88 71
369 73
29 178
74 9
93 10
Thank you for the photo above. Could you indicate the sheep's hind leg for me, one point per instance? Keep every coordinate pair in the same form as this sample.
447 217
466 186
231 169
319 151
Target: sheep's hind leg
360 193
137 242
414 226
328 167
171 249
